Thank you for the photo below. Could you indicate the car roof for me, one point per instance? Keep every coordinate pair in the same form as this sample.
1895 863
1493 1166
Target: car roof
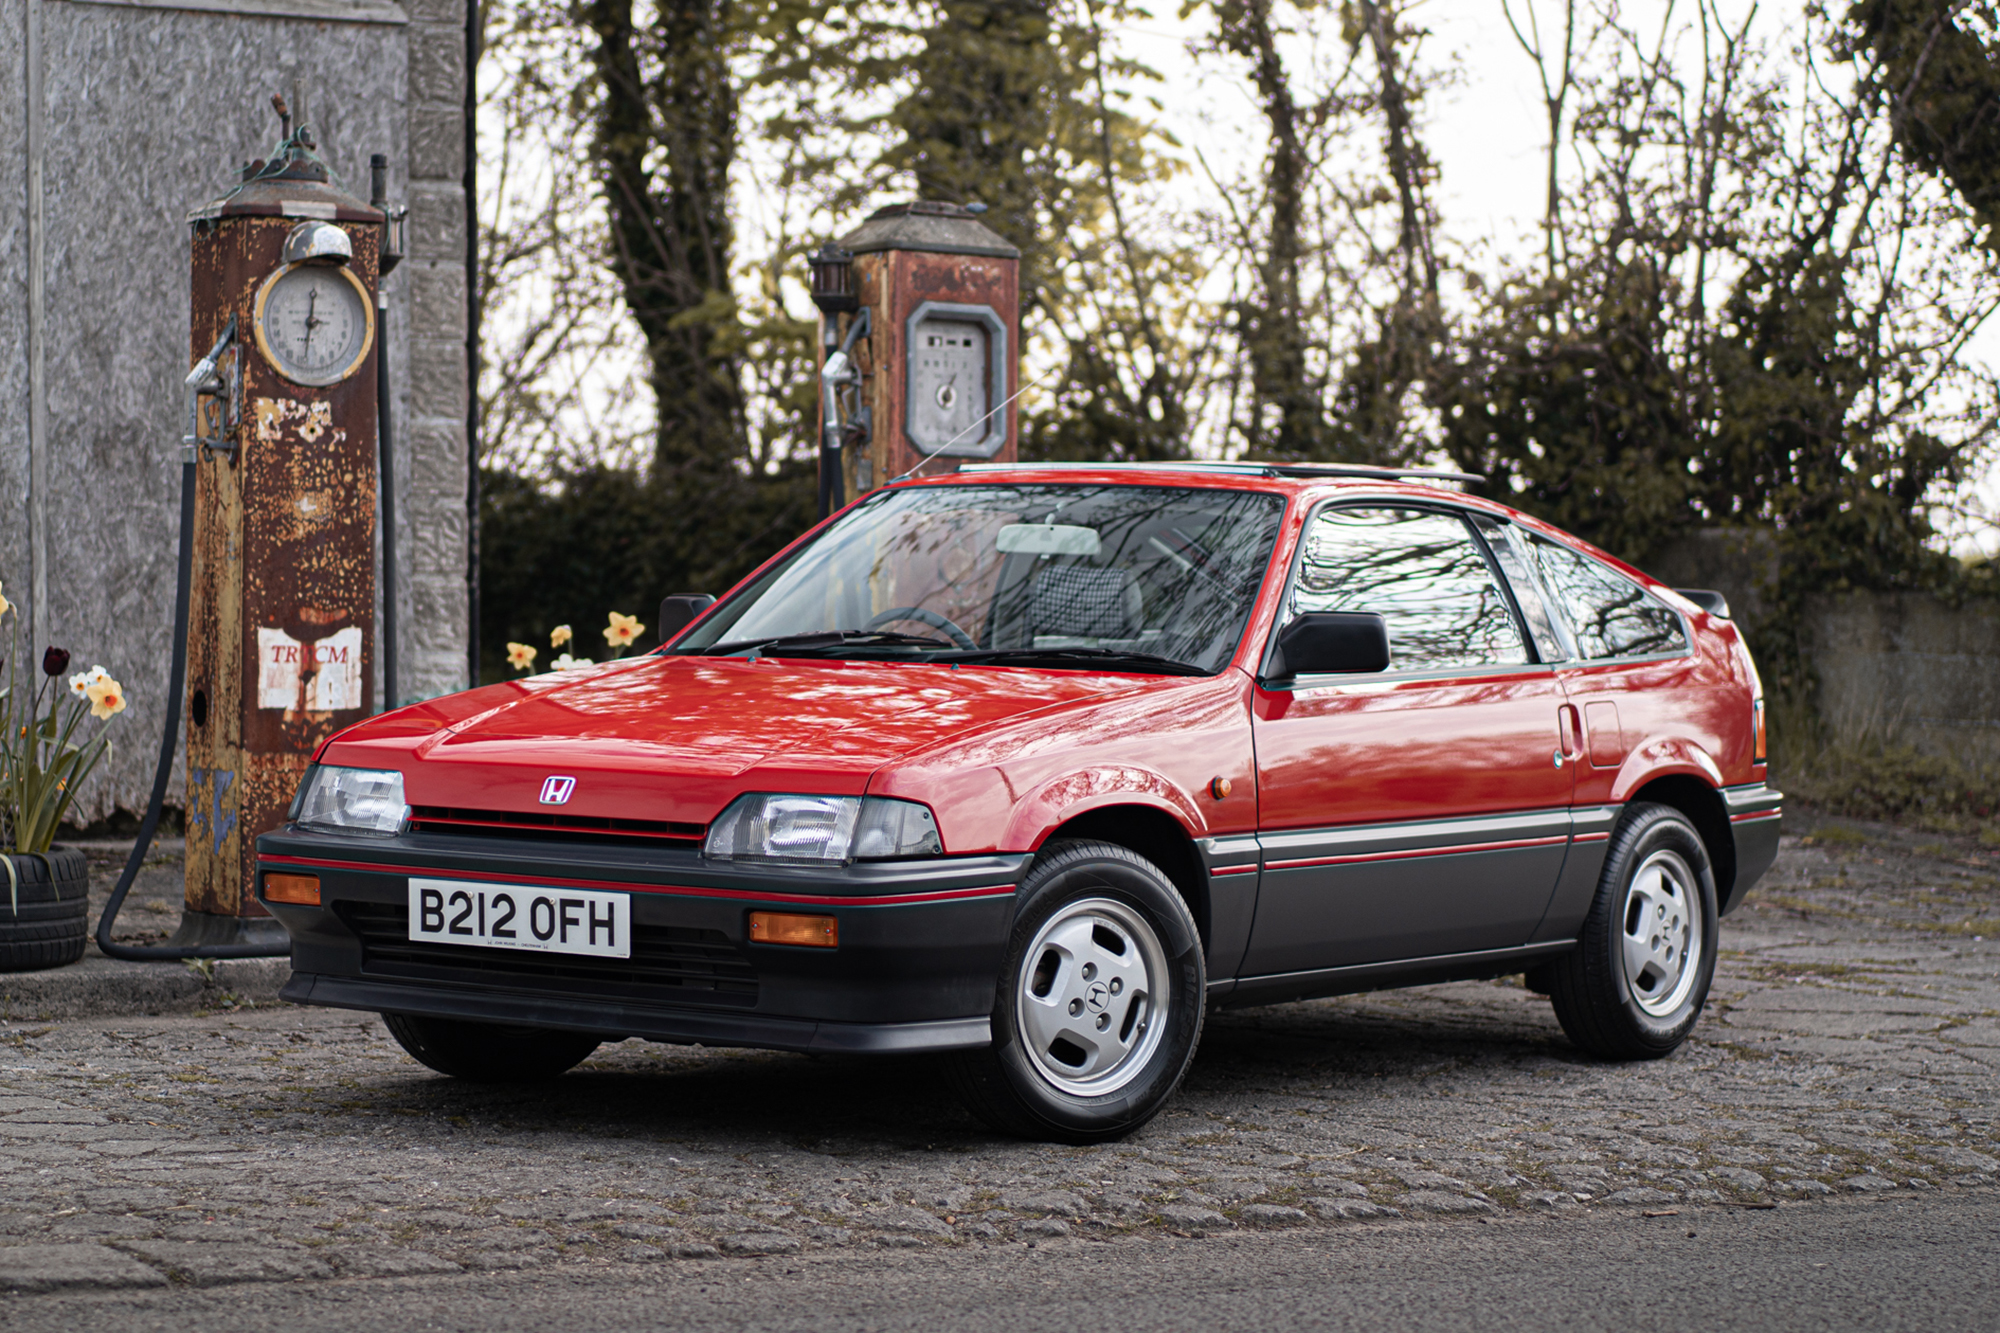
1311 481
1283 478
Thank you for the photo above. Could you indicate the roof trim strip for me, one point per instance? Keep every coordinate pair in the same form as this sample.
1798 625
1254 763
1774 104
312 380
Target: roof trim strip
1249 469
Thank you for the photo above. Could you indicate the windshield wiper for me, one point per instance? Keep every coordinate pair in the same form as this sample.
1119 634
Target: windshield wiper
821 640
1171 666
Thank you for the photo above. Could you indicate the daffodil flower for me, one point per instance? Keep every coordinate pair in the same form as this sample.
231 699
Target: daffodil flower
106 697
79 684
559 636
5 606
622 630
520 656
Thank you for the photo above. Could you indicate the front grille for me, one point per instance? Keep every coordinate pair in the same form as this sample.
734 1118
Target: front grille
678 964
553 827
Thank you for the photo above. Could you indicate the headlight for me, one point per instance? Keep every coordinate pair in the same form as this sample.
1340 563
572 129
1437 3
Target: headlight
821 829
349 800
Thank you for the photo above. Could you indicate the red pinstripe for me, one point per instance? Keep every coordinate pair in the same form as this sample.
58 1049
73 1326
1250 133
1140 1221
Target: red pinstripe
1458 849
620 886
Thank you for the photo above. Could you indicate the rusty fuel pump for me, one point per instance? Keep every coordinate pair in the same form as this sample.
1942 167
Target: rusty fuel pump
920 333
920 319
276 603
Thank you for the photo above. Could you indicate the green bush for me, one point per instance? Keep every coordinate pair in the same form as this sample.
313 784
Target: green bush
599 539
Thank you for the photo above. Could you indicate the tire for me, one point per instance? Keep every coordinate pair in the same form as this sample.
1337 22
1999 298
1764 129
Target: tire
1099 1005
489 1052
45 912
1635 985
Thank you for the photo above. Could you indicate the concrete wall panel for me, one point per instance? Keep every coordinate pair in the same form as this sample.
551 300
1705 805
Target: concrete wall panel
13 304
150 112
1905 666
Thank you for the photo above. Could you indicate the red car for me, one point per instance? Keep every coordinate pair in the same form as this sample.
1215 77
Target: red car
1032 765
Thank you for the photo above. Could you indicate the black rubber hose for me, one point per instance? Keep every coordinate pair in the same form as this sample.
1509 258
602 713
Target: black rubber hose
169 742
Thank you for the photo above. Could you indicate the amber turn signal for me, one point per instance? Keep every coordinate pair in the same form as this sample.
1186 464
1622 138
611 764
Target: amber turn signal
300 889
817 932
1218 787
1763 744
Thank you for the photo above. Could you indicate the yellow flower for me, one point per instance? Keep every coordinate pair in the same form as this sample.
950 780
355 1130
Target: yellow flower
5 606
106 696
520 656
559 636
622 630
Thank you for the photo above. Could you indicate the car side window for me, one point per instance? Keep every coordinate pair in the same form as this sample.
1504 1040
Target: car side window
1423 573
1608 614
1504 540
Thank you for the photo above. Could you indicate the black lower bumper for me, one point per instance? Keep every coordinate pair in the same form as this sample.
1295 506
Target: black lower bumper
625 1020
920 943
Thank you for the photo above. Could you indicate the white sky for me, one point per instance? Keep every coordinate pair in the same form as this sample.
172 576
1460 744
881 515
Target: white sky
1486 129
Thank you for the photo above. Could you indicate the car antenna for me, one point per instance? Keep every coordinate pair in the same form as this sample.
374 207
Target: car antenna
973 427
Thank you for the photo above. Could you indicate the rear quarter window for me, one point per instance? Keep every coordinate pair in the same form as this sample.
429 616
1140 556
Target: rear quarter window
1608 614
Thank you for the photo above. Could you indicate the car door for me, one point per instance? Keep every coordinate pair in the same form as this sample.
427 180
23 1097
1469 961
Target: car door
1422 810
1628 677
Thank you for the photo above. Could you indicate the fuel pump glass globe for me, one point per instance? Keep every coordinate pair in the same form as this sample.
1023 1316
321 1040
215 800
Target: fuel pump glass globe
314 323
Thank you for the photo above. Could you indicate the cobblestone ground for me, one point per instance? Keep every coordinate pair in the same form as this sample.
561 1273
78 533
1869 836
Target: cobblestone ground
1850 1046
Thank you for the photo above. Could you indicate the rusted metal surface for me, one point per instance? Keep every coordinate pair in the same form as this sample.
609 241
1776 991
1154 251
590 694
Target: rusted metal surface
281 637
892 283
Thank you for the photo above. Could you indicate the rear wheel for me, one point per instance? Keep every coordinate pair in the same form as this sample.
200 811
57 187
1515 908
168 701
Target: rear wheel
489 1052
1099 1005
1635 985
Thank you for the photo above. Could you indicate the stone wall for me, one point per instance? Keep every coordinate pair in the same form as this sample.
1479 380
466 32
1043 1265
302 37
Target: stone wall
1906 667
150 109
1898 667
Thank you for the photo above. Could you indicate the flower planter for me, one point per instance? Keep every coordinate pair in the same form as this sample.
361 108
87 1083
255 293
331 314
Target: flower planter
46 922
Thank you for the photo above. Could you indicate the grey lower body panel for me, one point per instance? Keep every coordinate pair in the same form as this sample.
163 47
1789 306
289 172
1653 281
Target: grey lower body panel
614 1020
1359 894
1576 886
1474 966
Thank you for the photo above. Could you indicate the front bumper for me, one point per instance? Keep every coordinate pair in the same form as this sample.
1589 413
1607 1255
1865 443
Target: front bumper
921 943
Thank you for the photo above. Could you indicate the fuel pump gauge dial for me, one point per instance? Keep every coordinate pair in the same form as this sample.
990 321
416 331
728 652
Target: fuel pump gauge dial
955 376
314 323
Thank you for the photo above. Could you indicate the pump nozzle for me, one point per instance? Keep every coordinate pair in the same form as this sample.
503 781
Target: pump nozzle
203 375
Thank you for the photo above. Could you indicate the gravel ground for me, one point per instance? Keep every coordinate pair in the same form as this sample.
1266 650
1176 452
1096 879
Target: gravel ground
152 908
1850 1049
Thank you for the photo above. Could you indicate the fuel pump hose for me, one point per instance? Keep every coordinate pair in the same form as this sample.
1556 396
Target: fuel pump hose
169 742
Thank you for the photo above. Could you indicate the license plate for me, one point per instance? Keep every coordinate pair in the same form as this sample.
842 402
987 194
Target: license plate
507 916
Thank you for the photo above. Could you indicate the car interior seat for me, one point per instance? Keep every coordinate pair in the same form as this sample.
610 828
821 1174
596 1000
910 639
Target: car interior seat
1083 602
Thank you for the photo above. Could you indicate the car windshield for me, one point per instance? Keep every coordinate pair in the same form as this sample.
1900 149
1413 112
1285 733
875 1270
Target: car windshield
1114 577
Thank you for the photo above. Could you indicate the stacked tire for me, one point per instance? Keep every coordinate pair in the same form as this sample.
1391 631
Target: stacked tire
44 909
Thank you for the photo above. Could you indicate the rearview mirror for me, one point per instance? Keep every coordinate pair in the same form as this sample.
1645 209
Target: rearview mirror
1332 642
678 612
1048 539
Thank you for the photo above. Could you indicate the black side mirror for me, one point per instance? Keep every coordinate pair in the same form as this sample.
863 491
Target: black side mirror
1328 642
678 612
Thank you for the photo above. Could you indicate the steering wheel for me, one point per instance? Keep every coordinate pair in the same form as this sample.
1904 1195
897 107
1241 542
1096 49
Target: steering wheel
923 617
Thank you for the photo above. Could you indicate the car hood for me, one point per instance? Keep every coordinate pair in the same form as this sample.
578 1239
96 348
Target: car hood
675 739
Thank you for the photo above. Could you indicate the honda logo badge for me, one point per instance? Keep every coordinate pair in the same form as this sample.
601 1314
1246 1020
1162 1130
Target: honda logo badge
555 791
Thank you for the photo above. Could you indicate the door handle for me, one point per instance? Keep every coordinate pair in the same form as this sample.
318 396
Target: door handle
1569 730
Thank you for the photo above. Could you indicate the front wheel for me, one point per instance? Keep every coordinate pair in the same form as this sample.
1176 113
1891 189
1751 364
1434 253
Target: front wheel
1099 1005
489 1052
1637 980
